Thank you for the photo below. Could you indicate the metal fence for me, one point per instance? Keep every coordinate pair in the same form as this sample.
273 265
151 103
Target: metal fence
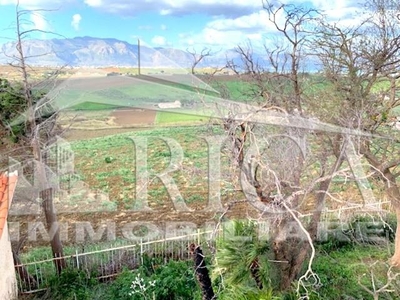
107 263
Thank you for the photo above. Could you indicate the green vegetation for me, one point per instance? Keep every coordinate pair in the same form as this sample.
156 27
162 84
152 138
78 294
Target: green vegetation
12 105
71 284
297 175
94 106
242 262
94 165
165 117
123 91
342 271
174 280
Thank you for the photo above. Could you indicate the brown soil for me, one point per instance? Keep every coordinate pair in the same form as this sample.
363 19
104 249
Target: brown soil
134 116
87 126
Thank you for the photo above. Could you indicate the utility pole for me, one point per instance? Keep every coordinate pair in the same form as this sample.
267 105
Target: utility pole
138 44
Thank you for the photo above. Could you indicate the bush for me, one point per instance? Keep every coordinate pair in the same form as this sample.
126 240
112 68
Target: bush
120 287
176 281
71 284
173 281
341 270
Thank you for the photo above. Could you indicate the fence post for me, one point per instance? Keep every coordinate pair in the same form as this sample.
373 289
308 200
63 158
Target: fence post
77 259
198 236
141 250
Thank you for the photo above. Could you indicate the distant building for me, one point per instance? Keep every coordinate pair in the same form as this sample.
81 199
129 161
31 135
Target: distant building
176 104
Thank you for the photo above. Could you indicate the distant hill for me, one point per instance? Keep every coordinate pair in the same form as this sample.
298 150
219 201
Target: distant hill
102 52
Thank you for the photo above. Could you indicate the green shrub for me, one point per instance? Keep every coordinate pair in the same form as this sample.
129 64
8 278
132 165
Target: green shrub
173 281
71 284
334 244
120 287
242 263
340 271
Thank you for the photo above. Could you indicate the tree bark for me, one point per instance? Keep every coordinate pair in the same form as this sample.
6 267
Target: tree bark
395 260
393 192
255 273
286 250
291 252
202 274
53 229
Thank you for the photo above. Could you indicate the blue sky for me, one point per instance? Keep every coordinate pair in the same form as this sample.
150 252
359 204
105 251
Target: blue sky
179 24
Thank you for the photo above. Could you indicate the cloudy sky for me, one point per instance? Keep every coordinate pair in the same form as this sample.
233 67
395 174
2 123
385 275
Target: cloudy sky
167 23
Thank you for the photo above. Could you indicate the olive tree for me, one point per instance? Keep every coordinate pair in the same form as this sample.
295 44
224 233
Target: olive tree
278 170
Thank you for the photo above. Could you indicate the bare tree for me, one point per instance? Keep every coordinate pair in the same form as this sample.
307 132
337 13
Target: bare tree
356 61
353 65
198 57
378 287
38 130
296 30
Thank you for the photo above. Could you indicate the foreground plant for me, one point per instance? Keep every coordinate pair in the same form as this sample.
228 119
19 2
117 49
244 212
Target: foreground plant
141 287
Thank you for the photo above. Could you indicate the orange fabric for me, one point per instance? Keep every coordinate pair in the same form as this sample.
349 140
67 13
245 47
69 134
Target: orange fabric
7 187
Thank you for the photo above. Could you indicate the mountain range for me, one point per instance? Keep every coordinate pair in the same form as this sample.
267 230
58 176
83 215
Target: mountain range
102 52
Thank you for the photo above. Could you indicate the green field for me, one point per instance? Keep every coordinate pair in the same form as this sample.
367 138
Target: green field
125 91
165 117
91 106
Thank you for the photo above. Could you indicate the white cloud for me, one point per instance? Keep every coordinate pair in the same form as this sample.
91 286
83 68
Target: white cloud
159 40
344 12
231 9
230 32
76 20
255 27
177 7
254 21
94 3
164 7
37 4
165 12
217 39
145 27
38 21
163 27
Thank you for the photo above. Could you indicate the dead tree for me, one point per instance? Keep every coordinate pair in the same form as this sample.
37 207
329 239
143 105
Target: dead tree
35 129
198 57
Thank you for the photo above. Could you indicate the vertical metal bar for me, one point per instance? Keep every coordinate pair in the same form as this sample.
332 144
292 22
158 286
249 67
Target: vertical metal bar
138 56
141 251
77 259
